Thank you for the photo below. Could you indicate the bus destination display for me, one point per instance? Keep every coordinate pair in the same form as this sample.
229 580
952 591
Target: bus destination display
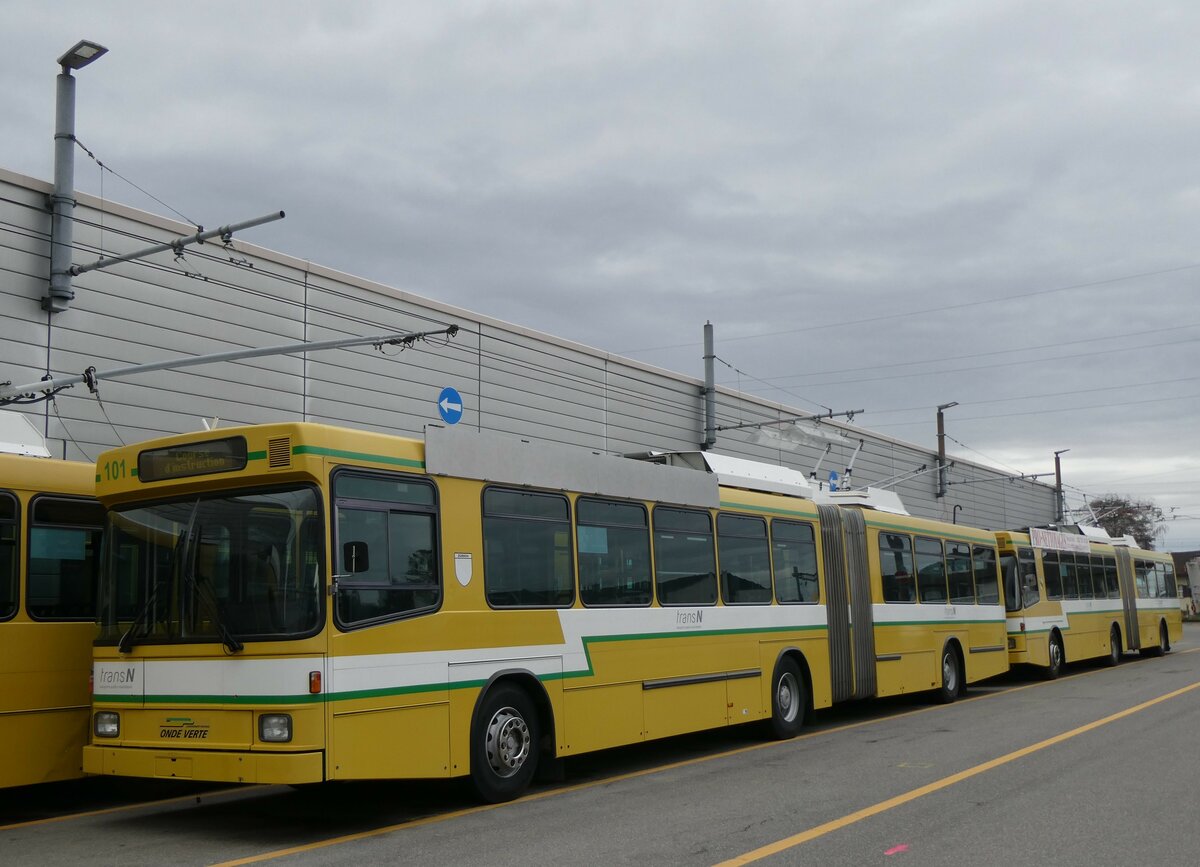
192 459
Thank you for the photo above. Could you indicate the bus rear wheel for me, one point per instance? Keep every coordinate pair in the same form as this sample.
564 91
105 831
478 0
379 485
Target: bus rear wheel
1164 643
788 700
504 744
1056 657
1114 647
951 676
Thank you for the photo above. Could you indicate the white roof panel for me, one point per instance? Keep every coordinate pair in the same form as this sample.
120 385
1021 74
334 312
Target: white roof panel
18 436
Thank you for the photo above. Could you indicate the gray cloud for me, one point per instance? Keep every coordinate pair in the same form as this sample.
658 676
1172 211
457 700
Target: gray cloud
620 173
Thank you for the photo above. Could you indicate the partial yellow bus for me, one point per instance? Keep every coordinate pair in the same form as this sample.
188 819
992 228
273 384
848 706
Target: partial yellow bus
50 530
1072 597
295 603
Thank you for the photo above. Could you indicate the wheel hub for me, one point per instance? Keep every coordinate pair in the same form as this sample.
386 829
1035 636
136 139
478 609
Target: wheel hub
508 742
785 697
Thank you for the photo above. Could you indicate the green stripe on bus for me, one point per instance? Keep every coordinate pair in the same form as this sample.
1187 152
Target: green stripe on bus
358 456
770 510
382 692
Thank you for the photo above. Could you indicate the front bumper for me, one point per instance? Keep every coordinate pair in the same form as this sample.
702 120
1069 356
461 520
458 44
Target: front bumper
209 766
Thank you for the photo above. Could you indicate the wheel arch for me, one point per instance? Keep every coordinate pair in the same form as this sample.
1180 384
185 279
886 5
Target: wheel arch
954 642
797 655
528 682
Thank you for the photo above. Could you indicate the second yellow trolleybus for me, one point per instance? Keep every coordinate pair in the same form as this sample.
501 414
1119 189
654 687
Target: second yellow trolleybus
1080 595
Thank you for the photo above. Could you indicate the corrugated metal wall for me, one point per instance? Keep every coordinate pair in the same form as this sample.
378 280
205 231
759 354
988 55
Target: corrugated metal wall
512 379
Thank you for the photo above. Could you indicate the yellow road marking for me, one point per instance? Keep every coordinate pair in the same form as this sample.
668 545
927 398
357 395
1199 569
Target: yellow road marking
920 792
537 796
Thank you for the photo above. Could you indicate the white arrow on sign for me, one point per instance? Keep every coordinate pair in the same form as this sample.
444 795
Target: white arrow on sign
447 406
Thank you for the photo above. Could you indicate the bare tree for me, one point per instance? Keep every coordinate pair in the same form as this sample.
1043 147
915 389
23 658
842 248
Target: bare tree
1123 516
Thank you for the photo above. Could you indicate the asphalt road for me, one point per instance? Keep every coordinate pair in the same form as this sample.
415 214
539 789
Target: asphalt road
1095 768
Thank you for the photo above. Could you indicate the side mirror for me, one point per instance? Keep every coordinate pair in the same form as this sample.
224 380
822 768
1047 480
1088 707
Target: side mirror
355 558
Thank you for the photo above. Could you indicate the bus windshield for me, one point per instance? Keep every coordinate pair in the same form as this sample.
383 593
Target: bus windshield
213 568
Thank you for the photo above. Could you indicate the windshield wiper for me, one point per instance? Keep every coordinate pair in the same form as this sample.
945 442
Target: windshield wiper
204 591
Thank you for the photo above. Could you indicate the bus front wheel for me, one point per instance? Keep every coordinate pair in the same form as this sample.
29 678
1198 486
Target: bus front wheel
504 744
1056 656
787 699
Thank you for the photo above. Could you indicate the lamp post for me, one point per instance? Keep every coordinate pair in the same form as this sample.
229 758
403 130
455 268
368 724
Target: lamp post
941 435
62 200
1059 504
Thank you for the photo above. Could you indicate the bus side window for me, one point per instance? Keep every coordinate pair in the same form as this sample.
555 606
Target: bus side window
1158 584
685 569
8 555
527 549
986 585
1083 576
896 568
64 548
1170 590
1111 579
1052 569
613 540
931 571
795 558
958 565
1140 568
745 559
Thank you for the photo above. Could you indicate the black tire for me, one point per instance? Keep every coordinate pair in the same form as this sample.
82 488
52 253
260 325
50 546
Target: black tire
504 743
1057 657
1164 643
1114 648
952 676
789 700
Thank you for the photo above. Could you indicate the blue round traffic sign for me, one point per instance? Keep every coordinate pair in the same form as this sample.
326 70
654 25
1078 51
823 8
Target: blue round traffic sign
450 405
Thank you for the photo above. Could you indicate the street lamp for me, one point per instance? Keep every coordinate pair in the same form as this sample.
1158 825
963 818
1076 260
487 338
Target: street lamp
941 435
62 200
1059 502
81 54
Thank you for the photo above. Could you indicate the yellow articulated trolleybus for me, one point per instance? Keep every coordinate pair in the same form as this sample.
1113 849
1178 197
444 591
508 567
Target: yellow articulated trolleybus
50 530
1081 595
294 603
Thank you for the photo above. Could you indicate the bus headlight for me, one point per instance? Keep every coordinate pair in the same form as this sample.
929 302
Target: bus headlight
275 728
106 724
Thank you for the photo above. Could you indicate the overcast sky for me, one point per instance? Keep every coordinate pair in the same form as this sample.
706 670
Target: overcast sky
881 206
